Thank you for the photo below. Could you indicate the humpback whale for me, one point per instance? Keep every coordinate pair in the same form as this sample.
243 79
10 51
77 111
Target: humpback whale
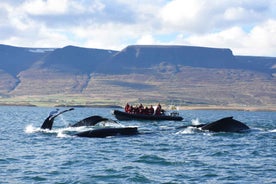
105 131
227 124
48 122
109 131
90 121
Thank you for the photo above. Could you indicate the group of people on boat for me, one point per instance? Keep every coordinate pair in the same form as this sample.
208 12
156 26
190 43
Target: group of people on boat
144 110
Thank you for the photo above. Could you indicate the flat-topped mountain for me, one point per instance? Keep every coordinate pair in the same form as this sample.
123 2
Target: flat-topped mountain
139 73
76 59
144 56
148 55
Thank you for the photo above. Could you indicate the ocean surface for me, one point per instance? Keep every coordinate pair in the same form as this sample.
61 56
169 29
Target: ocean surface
161 153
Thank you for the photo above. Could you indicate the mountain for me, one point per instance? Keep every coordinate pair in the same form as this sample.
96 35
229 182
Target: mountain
262 64
76 59
139 56
148 55
17 59
183 75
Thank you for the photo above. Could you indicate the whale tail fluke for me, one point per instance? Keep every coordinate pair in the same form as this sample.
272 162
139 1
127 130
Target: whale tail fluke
49 121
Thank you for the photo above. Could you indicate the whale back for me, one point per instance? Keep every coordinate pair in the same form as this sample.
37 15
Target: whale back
227 124
90 121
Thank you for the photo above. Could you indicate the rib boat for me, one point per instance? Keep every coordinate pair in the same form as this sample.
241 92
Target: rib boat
124 116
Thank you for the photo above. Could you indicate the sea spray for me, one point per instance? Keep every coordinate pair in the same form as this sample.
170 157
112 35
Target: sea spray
31 129
188 130
195 121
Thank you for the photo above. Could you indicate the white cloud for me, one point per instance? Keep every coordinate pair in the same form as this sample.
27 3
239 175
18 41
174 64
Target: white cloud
236 13
245 26
204 16
183 14
109 36
224 39
146 40
40 7
260 40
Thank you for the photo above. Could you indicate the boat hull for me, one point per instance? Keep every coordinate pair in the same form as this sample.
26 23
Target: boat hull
123 116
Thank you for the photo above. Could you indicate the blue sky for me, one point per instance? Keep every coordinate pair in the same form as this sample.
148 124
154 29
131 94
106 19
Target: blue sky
247 27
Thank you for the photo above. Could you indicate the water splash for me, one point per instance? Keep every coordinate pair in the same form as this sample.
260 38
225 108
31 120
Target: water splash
188 130
31 129
109 123
70 131
63 134
60 132
191 129
195 121
64 122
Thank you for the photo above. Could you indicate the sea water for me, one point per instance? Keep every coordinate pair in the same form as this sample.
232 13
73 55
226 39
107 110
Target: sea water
161 153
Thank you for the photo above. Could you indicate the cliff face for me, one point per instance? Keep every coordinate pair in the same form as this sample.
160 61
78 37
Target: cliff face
188 75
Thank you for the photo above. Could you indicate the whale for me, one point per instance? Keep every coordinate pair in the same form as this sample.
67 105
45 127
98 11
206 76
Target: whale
227 124
90 121
104 131
49 121
109 131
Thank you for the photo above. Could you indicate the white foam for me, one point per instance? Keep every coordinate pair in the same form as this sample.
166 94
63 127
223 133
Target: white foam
188 130
109 124
31 129
61 134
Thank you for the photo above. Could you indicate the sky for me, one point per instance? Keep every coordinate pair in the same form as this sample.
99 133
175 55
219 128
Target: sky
247 27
